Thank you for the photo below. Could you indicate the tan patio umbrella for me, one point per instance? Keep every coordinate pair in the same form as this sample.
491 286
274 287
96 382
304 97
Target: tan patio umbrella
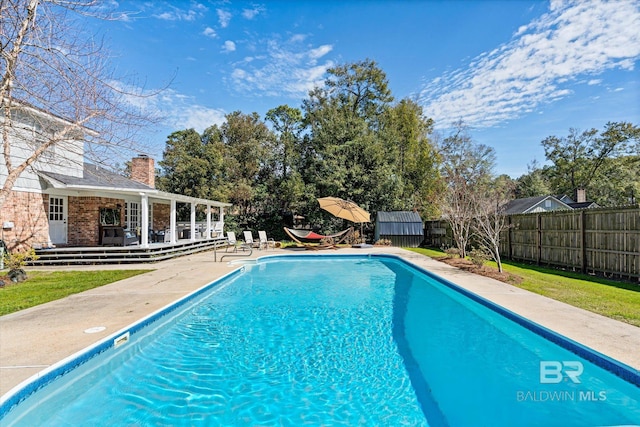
344 209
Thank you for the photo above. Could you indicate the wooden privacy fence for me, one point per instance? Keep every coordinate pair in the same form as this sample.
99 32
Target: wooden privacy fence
597 241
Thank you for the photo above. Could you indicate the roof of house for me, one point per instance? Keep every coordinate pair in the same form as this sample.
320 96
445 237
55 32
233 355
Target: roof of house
584 205
527 204
95 176
98 179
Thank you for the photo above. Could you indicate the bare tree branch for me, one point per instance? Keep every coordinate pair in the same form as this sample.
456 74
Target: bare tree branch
57 87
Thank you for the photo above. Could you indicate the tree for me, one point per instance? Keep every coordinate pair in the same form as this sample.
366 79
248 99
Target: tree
192 163
285 183
489 222
50 69
287 123
533 183
583 159
246 140
617 183
466 169
345 155
414 158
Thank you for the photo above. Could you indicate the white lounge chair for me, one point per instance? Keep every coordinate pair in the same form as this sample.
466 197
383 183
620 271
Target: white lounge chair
248 240
264 241
231 241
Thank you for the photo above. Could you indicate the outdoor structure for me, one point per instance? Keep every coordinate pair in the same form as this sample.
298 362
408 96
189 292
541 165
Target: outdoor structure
534 205
403 228
60 200
581 201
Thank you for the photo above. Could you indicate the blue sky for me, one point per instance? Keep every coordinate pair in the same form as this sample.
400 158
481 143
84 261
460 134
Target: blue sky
514 71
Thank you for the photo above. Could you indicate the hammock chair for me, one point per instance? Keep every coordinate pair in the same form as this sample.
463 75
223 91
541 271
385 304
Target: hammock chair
308 236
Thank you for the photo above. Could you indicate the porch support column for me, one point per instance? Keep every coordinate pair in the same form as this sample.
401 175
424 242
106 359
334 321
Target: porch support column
172 222
144 229
221 218
208 235
193 222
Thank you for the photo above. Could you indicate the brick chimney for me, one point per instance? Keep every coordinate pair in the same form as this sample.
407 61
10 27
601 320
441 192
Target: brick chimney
143 170
581 195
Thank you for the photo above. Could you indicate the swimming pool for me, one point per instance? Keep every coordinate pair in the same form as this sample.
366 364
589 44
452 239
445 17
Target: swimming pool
333 340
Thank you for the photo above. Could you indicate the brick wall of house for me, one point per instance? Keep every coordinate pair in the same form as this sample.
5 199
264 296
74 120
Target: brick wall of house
28 212
84 218
161 216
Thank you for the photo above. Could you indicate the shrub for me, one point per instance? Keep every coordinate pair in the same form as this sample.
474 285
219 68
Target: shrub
383 242
478 257
15 261
452 252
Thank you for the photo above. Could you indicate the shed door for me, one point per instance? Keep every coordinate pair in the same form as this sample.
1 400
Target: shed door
58 219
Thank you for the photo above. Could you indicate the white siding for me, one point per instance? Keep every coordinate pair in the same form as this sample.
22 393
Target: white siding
65 157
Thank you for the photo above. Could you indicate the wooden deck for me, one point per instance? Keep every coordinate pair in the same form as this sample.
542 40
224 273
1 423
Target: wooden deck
124 254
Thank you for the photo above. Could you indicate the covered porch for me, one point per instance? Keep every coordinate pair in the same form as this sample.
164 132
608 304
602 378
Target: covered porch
103 209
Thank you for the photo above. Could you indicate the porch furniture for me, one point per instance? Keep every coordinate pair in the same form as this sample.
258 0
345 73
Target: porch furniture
217 229
113 235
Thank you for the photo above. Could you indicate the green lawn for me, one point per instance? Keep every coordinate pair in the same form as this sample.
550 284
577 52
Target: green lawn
614 299
45 286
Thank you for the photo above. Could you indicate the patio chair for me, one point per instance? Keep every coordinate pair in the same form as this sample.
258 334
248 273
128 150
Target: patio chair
264 241
248 240
217 229
231 241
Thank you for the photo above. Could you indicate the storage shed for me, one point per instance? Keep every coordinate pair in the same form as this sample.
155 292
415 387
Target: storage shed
403 228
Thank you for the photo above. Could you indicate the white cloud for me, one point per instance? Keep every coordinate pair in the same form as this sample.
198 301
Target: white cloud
228 46
223 17
319 52
198 117
210 32
594 82
297 38
175 110
252 13
181 112
285 70
176 14
571 41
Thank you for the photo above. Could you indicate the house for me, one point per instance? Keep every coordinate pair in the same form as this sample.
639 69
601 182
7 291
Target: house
403 228
549 203
62 200
534 205
581 201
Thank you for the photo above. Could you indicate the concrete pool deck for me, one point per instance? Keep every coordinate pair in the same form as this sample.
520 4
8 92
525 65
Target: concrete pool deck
33 339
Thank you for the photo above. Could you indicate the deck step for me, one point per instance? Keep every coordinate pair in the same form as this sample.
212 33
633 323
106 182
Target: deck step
122 255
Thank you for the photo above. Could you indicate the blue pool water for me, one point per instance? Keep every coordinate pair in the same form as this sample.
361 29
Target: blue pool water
335 341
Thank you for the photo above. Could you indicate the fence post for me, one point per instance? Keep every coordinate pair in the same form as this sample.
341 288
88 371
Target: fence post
509 247
539 238
583 241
